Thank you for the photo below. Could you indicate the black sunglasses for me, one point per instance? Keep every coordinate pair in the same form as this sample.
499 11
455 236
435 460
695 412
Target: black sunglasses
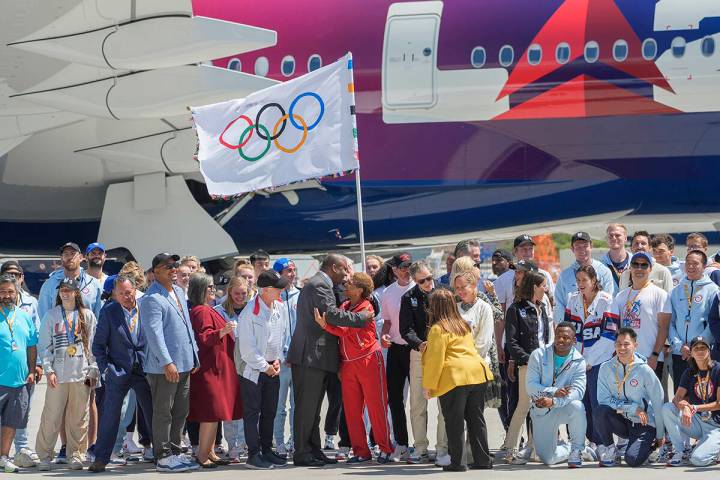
423 281
641 266
170 266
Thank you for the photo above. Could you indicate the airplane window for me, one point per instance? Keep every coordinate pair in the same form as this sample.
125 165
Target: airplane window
477 57
649 49
620 50
314 62
592 51
234 64
507 55
534 54
262 66
708 46
562 53
288 65
678 47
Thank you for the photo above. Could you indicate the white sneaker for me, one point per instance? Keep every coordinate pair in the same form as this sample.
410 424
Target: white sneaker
75 463
342 454
520 458
171 463
589 454
400 454
189 461
676 460
24 458
575 459
44 465
501 453
442 460
281 449
329 442
8 465
116 460
130 447
607 456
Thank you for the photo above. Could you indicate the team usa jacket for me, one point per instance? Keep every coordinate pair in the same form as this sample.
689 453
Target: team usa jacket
595 331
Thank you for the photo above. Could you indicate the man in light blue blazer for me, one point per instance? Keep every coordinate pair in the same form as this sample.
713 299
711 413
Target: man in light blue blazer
171 355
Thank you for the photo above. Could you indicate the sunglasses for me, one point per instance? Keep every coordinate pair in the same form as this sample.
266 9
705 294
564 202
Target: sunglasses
641 266
170 266
423 281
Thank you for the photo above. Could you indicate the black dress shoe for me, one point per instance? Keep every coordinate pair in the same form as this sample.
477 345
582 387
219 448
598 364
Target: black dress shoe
324 458
473 466
97 467
455 468
312 462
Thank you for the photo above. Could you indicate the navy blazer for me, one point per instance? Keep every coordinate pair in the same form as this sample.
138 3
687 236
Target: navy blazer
113 347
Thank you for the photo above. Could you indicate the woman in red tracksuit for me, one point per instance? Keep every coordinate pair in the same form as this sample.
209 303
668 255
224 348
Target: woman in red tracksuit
362 374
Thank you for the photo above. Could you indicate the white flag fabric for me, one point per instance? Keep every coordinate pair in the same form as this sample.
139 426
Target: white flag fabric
298 130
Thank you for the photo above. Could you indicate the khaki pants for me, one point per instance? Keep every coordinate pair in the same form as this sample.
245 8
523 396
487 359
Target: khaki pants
521 412
72 400
418 410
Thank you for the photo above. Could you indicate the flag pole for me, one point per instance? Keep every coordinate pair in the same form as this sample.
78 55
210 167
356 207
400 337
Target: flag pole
358 189
358 196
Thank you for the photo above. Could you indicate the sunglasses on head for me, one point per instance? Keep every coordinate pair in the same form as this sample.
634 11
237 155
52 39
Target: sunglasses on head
641 266
423 281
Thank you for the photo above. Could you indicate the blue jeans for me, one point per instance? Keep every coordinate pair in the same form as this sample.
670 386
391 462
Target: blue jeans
234 432
281 415
545 431
126 414
707 434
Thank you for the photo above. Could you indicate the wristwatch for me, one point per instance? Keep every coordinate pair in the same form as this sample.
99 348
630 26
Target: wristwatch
655 354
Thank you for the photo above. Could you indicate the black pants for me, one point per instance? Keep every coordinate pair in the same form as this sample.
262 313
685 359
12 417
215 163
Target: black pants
640 438
461 405
309 386
193 429
398 372
335 416
678 368
504 410
259 407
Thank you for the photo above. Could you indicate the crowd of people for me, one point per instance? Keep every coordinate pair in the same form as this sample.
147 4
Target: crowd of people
579 370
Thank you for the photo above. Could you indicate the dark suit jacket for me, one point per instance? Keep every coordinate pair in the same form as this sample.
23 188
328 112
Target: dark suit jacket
113 347
311 346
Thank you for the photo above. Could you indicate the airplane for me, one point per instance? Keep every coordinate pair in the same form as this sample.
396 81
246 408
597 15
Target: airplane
475 118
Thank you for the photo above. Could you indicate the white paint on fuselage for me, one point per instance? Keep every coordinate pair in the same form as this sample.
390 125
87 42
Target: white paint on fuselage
684 14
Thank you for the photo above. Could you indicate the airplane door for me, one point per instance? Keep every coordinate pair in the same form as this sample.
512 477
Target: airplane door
409 61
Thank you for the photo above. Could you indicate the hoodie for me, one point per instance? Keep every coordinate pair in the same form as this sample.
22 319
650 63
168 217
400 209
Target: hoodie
641 389
289 300
90 289
691 301
540 381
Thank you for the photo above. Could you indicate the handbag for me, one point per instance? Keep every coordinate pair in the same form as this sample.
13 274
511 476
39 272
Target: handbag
493 392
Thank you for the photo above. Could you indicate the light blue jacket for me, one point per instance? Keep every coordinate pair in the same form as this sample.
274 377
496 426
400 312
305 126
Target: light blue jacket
540 371
676 270
686 325
90 290
169 337
289 302
567 284
641 389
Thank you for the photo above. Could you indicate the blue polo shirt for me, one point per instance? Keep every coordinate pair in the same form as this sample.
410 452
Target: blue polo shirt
14 363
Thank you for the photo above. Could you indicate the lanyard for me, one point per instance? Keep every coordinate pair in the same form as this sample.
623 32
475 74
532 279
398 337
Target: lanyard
70 328
629 303
10 323
134 318
702 384
688 296
620 384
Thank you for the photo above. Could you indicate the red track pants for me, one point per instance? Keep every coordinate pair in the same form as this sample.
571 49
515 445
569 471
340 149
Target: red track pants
364 385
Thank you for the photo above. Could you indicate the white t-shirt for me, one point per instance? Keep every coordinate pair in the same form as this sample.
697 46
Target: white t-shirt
638 309
505 287
390 309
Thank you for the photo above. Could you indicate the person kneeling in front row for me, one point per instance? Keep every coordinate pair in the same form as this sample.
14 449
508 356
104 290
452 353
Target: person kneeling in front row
629 394
695 410
555 382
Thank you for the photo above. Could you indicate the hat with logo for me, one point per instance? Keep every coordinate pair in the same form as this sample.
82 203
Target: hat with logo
11 266
93 246
282 263
581 236
259 255
502 254
72 245
109 284
699 339
401 260
271 278
69 283
162 258
642 254
526 266
524 238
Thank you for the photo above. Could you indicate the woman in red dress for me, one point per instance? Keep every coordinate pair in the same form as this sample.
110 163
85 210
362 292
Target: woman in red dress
214 387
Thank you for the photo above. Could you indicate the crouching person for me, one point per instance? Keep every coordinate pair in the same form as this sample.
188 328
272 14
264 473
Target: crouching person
556 384
695 410
629 394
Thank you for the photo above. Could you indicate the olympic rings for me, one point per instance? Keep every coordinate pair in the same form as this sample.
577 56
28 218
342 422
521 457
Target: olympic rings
257 120
267 147
278 129
305 128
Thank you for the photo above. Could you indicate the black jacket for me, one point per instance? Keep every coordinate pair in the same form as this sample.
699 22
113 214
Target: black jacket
413 317
521 330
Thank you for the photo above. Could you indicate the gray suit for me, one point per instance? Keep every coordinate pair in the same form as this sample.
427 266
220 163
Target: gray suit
314 356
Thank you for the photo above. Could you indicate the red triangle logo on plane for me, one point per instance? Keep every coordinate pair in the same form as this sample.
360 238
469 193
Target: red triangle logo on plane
577 22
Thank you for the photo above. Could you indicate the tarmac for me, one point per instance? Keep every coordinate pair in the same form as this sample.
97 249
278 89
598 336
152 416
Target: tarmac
590 471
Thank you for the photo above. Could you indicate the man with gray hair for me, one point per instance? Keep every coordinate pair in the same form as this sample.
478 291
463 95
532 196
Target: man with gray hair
118 347
18 355
314 355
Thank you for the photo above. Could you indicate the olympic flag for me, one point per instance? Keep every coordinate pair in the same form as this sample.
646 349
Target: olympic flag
298 130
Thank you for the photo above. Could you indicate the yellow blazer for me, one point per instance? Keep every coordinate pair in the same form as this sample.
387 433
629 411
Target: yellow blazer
451 361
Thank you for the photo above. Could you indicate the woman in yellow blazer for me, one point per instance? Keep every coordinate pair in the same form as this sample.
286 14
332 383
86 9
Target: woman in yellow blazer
454 372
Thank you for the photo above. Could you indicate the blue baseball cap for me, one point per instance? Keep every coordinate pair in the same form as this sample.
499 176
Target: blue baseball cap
281 264
644 255
93 246
109 284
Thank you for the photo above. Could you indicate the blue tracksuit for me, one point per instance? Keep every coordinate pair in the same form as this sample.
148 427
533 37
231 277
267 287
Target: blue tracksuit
691 301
